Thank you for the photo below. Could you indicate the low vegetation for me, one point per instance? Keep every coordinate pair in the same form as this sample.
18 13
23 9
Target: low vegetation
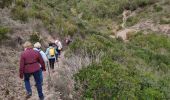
5 3
34 37
138 70
3 32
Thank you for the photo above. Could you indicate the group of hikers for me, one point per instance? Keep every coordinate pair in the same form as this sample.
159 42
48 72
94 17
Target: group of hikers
33 62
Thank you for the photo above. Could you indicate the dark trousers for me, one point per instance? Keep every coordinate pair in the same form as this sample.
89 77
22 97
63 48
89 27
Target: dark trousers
59 52
41 75
52 61
38 80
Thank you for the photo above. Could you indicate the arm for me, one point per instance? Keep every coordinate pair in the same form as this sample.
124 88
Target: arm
46 51
60 45
44 56
40 60
21 69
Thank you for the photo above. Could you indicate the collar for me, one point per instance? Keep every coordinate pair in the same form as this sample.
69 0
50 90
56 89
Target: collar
28 48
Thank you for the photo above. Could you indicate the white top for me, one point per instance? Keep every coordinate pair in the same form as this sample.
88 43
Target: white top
45 59
58 43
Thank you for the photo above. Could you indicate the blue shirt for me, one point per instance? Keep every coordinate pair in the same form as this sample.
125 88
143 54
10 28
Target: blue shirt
48 55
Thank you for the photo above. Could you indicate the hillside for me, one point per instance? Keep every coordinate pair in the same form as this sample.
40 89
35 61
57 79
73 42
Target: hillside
120 48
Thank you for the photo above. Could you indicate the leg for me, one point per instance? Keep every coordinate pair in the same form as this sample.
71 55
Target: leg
41 76
38 83
27 83
50 63
58 51
53 61
56 56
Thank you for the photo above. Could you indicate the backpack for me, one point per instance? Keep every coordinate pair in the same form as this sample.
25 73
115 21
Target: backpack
52 52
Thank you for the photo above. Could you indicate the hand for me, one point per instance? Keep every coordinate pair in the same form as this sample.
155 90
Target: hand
21 76
43 69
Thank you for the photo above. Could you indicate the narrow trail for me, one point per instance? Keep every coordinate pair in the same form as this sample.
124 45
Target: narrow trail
142 26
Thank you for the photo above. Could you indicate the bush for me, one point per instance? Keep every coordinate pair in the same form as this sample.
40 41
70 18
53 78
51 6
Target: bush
157 8
3 32
35 38
132 21
127 71
20 3
5 3
19 13
165 21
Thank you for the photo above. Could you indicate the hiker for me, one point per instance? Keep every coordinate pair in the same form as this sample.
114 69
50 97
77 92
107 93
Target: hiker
51 55
37 47
30 62
56 48
59 47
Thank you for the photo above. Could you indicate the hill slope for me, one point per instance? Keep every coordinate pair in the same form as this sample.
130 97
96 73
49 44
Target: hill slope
109 67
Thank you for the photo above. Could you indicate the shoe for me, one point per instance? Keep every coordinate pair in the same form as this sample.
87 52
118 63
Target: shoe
36 84
42 98
28 95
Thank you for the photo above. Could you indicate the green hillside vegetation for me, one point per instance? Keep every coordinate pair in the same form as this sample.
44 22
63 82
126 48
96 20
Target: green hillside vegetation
3 32
76 16
136 70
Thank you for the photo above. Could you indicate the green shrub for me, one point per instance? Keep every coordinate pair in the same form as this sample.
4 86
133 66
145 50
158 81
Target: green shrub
164 20
19 13
126 71
3 32
157 8
35 38
5 3
132 21
20 3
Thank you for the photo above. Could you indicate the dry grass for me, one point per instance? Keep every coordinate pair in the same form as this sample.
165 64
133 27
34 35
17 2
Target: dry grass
63 77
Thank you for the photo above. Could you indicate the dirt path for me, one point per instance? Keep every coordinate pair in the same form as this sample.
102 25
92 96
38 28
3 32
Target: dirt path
142 26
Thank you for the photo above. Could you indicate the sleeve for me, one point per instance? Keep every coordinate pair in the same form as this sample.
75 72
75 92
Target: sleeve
40 59
46 51
21 69
60 46
44 56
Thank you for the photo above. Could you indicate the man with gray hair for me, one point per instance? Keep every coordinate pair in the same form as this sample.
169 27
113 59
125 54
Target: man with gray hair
37 47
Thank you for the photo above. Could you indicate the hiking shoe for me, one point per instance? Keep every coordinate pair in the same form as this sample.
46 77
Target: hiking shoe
28 95
36 84
42 98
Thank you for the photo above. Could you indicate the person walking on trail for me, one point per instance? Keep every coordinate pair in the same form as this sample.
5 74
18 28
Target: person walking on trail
37 47
51 55
59 47
30 62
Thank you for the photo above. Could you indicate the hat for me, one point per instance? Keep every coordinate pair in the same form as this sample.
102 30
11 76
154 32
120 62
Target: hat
37 45
56 41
